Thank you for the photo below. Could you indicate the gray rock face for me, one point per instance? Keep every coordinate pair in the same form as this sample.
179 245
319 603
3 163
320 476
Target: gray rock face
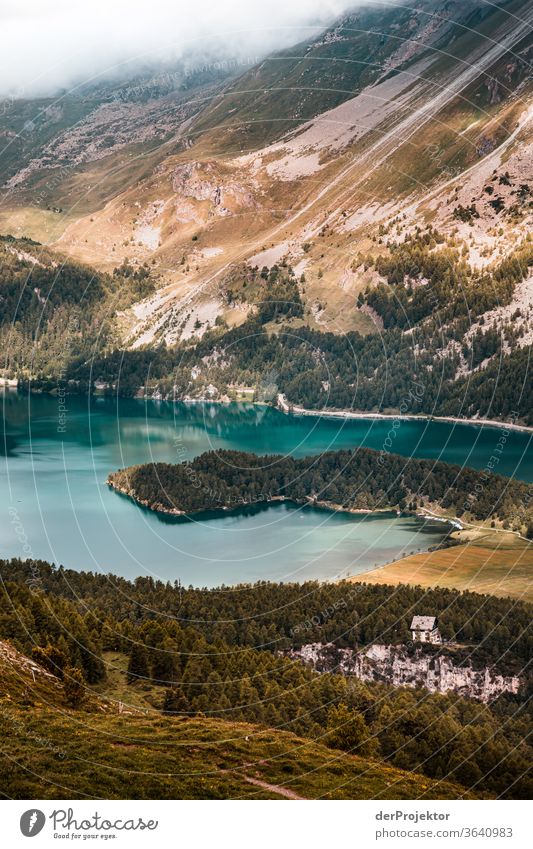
395 665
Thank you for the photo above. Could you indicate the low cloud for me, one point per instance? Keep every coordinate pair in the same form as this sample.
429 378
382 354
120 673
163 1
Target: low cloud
51 45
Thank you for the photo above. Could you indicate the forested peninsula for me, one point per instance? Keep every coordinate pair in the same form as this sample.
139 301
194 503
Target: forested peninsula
353 480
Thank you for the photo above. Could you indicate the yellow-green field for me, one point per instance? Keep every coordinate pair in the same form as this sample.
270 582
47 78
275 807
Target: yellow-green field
501 565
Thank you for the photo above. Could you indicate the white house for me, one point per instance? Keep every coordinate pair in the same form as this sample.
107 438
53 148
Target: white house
424 629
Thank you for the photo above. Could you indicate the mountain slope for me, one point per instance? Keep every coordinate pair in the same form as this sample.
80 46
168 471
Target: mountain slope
62 157
362 480
222 657
51 751
394 127
372 44
451 98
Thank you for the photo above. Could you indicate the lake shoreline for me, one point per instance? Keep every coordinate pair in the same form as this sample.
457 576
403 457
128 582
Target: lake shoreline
258 541
295 410
286 408
283 406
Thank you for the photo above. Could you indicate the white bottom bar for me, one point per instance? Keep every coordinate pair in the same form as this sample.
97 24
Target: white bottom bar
267 824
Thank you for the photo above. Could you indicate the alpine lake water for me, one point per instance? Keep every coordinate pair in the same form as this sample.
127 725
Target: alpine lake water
56 504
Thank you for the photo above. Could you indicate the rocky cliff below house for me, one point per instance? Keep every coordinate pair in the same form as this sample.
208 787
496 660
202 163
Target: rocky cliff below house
402 667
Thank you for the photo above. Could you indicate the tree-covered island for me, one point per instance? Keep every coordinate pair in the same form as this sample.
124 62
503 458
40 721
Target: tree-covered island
354 480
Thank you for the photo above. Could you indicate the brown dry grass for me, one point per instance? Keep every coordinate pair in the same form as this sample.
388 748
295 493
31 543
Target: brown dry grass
502 569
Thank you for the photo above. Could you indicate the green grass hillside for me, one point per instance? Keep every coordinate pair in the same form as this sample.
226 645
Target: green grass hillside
134 651
52 751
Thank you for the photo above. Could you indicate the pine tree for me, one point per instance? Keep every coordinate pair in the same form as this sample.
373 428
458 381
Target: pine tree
348 730
138 665
164 663
175 701
51 657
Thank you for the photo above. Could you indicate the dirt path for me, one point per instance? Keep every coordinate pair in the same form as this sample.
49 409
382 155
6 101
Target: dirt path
274 788
467 525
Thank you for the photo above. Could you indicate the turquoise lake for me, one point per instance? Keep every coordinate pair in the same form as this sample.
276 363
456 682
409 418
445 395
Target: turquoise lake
56 505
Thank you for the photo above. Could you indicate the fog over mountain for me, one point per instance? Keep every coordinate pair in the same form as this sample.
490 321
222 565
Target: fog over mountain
72 41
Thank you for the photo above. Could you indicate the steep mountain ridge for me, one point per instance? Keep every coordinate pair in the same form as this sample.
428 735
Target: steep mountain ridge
63 156
336 177
395 126
357 52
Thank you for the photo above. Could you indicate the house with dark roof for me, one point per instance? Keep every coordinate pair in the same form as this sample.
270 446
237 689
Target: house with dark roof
424 629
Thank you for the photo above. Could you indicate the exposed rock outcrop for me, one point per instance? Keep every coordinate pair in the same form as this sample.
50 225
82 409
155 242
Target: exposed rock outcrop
402 668
205 182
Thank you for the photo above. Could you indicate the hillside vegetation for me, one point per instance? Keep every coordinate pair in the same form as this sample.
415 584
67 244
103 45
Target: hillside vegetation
54 311
52 751
220 656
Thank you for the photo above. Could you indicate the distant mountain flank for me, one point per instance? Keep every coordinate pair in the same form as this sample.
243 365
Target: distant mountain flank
370 184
